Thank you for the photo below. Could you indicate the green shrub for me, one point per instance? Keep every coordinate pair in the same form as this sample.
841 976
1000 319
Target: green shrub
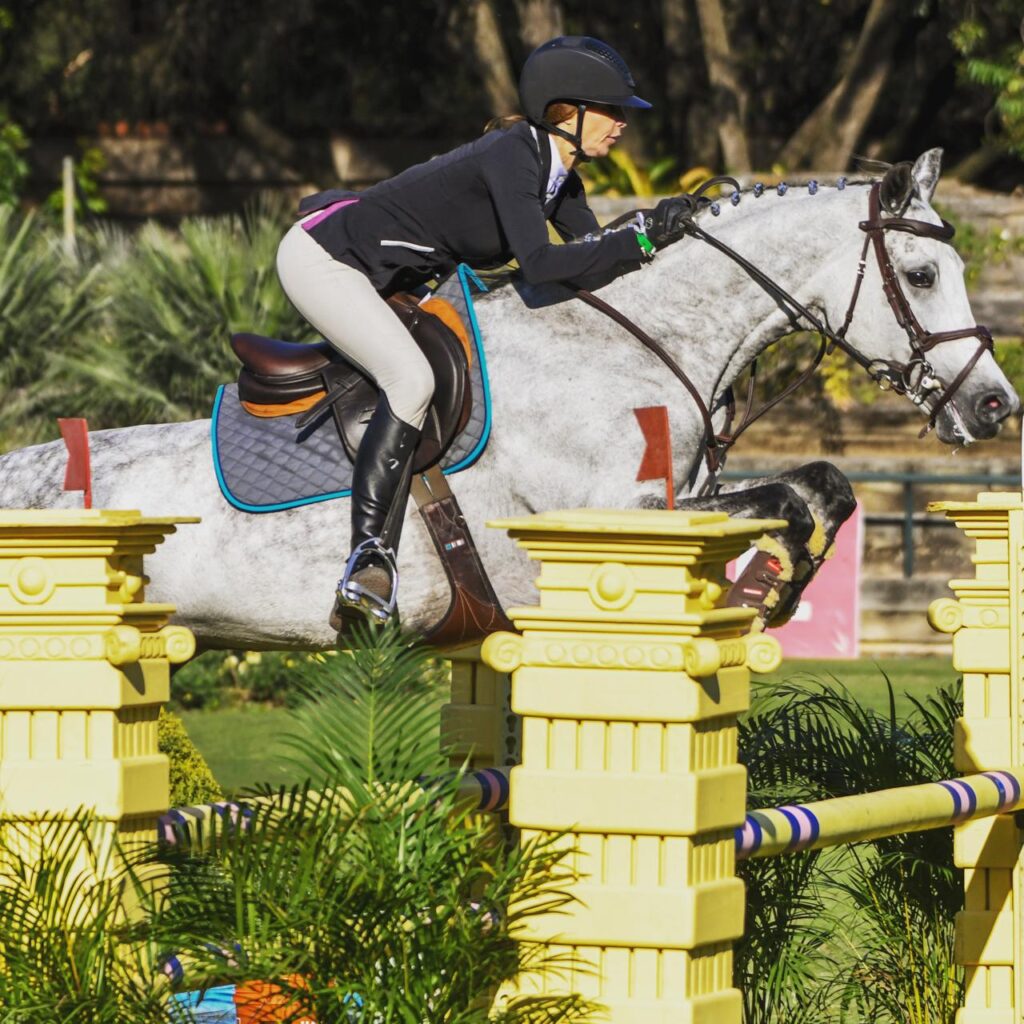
219 679
135 331
192 782
378 886
857 933
13 167
46 302
66 952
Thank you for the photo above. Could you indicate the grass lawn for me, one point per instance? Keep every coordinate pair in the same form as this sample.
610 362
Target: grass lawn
866 678
243 746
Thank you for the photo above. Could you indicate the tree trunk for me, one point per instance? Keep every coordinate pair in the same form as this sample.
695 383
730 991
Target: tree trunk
975 164
539 21
730 97
691 134
828 136
492 59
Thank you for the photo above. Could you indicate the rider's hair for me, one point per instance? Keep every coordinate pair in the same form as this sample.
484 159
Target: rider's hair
554 113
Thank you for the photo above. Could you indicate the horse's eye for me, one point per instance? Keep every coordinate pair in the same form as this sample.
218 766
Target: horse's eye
921 278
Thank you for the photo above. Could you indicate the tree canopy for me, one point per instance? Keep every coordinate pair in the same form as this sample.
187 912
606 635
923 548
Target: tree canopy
737 84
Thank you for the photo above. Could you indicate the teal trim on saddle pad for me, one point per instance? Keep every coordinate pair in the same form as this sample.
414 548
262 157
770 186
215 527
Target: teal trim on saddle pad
459 291
466 277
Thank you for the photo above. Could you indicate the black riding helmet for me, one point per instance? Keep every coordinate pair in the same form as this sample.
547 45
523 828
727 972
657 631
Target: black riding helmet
575 69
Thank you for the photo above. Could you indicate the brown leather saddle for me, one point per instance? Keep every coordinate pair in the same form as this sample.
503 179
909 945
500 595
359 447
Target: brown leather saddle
282 378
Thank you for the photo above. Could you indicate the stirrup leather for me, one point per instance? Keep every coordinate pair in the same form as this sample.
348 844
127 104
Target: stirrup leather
353 594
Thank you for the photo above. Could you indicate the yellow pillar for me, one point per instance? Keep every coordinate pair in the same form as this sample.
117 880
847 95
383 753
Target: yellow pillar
986 621
478 726
629 677
83 667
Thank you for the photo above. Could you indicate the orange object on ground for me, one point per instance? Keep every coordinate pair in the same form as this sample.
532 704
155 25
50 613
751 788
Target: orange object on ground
261 1002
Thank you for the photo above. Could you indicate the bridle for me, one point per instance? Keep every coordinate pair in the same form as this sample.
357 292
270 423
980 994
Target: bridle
915 378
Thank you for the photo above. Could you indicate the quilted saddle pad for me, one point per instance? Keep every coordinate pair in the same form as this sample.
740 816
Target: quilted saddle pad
266 465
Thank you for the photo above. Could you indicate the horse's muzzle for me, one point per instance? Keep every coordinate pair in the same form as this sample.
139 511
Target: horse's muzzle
980 414
993 407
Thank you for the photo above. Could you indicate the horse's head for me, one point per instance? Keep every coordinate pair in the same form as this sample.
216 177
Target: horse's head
912 321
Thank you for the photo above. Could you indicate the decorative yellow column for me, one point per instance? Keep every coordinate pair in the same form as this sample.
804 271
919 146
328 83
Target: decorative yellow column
629 677
478 726
83 667
986 622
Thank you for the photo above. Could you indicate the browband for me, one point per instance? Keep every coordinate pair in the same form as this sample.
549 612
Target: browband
943 232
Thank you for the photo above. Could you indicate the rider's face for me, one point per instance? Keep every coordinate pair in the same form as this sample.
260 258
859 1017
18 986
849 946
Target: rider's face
602 127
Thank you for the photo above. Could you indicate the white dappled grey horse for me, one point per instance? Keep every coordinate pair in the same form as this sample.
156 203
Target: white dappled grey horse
564 382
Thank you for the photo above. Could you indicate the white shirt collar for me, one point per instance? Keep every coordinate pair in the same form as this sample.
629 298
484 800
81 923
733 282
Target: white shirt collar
558 173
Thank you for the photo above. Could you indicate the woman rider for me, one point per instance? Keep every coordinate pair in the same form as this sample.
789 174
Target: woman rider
481 204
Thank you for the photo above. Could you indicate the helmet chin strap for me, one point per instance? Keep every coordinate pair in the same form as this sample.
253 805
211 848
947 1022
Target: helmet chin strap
576 138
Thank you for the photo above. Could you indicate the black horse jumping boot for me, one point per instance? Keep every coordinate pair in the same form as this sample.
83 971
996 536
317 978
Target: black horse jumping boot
368 589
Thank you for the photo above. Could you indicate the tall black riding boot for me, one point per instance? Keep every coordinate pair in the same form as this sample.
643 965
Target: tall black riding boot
380 490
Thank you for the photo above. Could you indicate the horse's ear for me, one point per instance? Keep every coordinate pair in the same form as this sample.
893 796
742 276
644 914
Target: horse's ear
897 189
927 169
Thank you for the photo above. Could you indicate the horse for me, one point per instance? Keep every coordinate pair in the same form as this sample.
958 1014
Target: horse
564 382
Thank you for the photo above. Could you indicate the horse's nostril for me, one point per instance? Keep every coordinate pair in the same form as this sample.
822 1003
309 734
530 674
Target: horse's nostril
993 408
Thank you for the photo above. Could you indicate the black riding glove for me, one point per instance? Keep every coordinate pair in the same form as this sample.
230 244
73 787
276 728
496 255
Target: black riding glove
668 221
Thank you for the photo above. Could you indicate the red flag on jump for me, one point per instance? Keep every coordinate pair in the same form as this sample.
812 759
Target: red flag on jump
78 475
657 460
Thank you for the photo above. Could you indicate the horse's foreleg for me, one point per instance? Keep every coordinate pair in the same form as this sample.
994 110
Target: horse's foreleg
831 501
782 556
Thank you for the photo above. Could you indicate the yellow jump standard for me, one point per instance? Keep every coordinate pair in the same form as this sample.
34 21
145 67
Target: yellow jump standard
83 666
986 623
629 676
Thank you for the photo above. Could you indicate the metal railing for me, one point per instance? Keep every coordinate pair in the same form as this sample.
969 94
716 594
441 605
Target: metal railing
909 517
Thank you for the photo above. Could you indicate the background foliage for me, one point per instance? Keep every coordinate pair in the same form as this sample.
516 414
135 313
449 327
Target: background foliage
859 933
735 83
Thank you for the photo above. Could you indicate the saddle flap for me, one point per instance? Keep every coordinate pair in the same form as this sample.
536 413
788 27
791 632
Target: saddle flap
449 409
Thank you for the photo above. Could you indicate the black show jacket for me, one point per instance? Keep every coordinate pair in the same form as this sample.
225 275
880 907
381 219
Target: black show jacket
481 204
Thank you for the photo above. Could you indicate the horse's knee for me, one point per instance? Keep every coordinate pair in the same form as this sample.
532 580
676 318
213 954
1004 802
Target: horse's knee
829 485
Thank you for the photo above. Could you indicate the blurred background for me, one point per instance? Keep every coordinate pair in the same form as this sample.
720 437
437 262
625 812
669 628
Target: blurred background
187 106
151 153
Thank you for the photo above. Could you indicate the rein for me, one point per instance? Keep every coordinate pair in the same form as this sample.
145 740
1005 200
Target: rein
915 379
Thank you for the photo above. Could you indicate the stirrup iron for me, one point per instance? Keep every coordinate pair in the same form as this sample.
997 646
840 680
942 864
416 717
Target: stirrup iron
352 594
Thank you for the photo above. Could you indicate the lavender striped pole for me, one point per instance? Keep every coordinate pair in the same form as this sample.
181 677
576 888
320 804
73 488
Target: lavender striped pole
887 812
482 790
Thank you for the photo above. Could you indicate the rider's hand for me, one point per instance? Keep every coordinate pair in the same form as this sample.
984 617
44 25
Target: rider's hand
668 221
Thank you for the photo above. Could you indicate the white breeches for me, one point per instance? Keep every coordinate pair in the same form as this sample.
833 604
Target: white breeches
344 307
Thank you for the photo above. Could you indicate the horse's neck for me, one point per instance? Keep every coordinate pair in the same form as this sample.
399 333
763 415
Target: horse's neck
710 315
